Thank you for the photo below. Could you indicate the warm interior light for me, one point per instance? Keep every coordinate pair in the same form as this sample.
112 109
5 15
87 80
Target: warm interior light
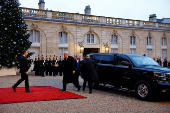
81 49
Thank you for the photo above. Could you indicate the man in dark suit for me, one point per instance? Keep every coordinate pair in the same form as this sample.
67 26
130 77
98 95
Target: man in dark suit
46 66
42 67
50 66
60 67
55 67
89 72
24 72
69 71
36 67
77 71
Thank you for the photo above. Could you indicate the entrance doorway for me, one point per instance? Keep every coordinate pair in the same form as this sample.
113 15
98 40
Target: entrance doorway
90 50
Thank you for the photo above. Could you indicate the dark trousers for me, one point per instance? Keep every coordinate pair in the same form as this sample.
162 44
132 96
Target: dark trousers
46 73
55 73
23 77
77 73
90 83
50 73
75 84
42 73
60 73
36 72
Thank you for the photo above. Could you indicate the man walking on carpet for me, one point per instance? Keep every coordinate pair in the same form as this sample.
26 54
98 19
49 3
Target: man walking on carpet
24 72
69 68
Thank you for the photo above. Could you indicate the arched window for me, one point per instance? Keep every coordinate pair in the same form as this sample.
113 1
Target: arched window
149 41
132 40
90 38
34 36
63 37
163 41
113 39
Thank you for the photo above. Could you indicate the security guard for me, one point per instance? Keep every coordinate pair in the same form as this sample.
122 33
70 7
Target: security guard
46 66
36 67
50 66
55 66
60 66
42 67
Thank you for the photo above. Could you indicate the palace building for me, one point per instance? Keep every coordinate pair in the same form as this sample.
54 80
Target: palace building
53 32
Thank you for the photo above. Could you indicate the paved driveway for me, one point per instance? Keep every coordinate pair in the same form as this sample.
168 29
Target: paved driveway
100 101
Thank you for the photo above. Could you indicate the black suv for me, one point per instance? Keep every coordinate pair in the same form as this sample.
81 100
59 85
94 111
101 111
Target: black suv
135 72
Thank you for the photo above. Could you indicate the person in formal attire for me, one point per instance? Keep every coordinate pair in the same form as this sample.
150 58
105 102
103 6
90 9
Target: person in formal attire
89 72
60 66
46 66
169 64
24 72
55 67
77 71
39 66
69 71
165 63
159 61
50 66
36 67
42 67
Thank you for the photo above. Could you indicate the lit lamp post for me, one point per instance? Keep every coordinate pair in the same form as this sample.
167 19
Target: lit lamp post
81 47
106 47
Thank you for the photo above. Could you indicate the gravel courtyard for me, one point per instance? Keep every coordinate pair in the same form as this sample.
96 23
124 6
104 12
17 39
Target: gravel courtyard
100 101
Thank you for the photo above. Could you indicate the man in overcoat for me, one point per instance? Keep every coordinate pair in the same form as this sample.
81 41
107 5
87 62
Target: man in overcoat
69 68
24 72
89 72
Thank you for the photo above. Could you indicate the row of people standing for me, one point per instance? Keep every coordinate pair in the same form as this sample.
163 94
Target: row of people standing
165 63
48 67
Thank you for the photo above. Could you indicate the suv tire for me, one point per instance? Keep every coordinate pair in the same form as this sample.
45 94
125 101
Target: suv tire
143 90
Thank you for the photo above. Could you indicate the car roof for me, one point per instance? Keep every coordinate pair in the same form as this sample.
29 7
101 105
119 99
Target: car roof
130 55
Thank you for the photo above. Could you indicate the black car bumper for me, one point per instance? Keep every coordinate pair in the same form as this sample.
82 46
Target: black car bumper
163 86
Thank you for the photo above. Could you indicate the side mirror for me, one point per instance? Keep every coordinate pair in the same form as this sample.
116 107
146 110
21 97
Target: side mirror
126 63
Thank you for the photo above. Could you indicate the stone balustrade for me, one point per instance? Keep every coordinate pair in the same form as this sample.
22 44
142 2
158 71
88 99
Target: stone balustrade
62 16
90 19
34 12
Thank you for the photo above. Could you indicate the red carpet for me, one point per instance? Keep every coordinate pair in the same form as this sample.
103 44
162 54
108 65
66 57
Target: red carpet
40 93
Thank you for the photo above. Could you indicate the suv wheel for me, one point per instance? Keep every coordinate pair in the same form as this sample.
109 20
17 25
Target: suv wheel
143 90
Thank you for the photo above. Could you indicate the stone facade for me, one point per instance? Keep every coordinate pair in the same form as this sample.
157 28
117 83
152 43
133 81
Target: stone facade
77 29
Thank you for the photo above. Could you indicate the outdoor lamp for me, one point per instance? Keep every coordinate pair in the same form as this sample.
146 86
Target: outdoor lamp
81 49
106 47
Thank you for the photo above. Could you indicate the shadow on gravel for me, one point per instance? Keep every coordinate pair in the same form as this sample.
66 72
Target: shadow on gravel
124 93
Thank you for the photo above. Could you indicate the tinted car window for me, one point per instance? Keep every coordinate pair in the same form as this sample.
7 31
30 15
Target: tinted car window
106 59
98 58
143 60
119 59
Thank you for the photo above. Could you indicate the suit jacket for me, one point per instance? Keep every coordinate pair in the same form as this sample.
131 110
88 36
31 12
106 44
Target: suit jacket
89 70
76 64
23 64
68 68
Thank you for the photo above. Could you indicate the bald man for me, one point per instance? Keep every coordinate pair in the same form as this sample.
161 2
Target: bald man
69 68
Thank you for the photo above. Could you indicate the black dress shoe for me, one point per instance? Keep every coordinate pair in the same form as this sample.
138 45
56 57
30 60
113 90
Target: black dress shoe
14 88
62 90
79 88
29 91
90 92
